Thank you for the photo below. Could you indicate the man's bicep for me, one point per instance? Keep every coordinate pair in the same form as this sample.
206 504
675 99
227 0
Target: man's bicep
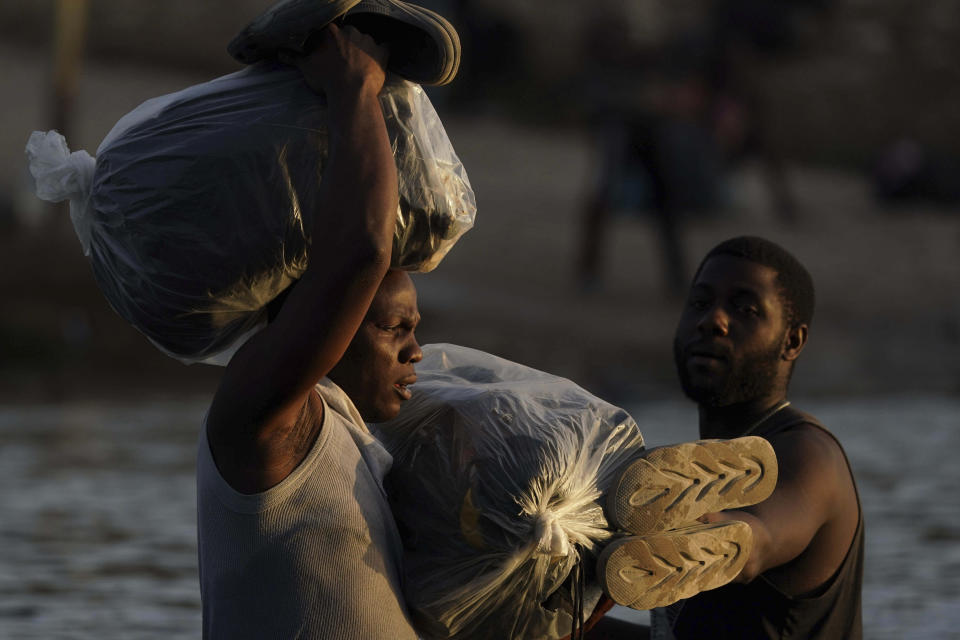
803 499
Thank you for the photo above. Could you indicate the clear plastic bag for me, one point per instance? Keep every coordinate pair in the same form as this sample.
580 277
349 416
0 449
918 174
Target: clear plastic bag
200 208
497 473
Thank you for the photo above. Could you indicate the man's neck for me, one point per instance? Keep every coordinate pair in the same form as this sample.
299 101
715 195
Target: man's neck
735 420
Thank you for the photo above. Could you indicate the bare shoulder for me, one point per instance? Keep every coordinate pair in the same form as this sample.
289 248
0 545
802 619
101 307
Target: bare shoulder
811 457
807 439
253 445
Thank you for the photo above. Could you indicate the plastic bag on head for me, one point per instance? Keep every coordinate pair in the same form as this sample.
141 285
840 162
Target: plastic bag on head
202 203
498 470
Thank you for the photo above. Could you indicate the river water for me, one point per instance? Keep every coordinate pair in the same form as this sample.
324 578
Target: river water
97 515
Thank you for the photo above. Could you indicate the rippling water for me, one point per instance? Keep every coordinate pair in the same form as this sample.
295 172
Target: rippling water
98 538
97 519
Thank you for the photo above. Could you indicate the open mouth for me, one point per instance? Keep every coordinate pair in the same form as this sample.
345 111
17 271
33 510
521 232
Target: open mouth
401 387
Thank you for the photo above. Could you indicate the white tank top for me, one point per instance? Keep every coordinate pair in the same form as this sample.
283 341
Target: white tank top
316 556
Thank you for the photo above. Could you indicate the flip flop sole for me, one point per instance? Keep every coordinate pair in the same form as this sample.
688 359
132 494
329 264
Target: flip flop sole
644 572
674 485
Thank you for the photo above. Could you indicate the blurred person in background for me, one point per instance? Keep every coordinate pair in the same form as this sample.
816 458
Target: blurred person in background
672 119
907 171
744 324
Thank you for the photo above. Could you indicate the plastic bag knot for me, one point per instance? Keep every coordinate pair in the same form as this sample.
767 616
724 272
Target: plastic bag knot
550 537
62 175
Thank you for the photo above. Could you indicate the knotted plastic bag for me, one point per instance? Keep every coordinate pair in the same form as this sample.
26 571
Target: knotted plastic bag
199 209
496 481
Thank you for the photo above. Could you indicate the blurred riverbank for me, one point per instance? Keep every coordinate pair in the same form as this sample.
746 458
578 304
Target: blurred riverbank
888 316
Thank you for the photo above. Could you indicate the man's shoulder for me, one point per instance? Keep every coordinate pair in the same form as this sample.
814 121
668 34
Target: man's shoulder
253 454
791 416
796 426
800 426
810 452
339 403
806 441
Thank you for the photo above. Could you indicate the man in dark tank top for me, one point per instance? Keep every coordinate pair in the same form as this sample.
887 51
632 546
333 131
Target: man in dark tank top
743 326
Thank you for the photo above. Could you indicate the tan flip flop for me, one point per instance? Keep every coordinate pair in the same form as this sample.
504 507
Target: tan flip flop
644 572
674 485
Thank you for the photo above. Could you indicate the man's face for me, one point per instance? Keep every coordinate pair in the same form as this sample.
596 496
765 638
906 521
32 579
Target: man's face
377 367
730 337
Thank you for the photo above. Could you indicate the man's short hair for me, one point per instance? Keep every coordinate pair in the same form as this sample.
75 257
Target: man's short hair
793 279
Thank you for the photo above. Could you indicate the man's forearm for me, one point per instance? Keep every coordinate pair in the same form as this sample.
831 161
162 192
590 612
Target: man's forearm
358 199
350 245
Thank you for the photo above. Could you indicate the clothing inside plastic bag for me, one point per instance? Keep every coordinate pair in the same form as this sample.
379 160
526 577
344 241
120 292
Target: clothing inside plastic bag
496 480
200 209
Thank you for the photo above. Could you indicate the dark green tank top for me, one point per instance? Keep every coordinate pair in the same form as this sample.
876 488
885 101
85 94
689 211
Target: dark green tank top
759 610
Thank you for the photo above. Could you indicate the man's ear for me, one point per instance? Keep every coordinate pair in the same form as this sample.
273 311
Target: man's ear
794 341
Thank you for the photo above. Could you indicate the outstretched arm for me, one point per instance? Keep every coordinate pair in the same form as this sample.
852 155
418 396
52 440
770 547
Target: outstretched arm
269 381
811 513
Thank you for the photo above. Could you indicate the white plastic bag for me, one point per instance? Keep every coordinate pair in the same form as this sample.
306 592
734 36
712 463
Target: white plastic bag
497 473
199 211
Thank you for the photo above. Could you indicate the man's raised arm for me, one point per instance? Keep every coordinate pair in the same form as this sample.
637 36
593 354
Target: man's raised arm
269 381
